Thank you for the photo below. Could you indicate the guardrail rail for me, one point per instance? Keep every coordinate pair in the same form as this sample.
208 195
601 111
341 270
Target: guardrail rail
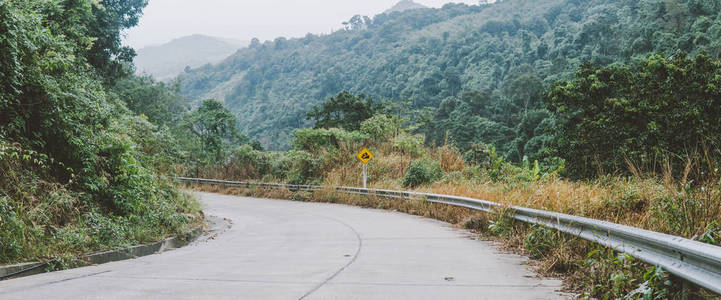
694 261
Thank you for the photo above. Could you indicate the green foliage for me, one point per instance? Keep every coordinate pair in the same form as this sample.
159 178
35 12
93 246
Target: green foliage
344 111
496 164
532 172
160 102
478 155
513 121
214 125
712 235
109 18
313 140
680 213
159 145
79 173
380 127
502 223
423 171
305 167
409 144
618 275
539 241
659 109
513 48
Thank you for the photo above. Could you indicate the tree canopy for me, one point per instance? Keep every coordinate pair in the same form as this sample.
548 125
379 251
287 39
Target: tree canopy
514 48
656 111
344 111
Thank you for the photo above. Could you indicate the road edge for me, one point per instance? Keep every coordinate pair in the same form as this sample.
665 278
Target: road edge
33 268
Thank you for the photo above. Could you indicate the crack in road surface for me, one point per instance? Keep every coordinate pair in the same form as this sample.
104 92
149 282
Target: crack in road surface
355 256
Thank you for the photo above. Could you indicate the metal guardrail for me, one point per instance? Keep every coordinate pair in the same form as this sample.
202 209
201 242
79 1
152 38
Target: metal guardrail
691 260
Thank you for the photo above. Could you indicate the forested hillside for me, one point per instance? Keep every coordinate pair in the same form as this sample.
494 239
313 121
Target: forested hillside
484 68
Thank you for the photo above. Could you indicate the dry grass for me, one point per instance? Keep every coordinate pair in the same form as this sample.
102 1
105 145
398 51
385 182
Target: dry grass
637 201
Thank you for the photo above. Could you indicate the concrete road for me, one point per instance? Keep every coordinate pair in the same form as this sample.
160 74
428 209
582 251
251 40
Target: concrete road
274 249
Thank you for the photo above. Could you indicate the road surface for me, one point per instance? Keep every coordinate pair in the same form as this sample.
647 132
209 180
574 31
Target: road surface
274 249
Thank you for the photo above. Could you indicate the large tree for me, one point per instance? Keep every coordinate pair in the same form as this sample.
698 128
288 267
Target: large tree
344 111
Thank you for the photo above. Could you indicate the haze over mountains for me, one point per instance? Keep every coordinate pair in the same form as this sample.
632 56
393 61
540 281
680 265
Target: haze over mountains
166 61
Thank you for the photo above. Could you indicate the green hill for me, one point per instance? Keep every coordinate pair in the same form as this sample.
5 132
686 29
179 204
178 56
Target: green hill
509 52
404 5
168 60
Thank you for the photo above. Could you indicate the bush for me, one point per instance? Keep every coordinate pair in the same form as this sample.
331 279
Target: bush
316 139
379 127
409 144
280 164
305 168
539 241
250 163
478 155
422 172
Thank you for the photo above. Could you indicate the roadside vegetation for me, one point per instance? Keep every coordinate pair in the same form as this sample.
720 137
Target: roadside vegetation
85 146
665 184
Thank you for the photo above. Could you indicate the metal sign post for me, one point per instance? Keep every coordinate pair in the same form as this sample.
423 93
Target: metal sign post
365 156
365 175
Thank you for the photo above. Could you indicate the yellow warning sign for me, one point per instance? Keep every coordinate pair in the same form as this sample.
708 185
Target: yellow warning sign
365 155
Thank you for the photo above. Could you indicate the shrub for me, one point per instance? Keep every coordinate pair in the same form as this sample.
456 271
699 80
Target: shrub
316 139
679 213
409 144
539 241
455 177
478 155
305 168
280 164
251 163
422 172
379 127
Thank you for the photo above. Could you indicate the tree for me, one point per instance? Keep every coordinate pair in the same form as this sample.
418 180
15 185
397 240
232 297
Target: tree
110 18
213 124
659 110
95 28
526 92
344 111
161 103
431 55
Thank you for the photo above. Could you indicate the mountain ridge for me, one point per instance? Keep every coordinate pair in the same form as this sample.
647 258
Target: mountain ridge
167 61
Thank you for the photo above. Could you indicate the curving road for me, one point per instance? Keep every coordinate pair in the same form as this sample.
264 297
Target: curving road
273 249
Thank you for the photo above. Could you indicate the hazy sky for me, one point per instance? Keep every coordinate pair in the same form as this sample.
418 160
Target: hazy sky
164 20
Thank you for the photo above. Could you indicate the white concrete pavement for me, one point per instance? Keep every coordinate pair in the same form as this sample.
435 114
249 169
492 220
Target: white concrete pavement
277 249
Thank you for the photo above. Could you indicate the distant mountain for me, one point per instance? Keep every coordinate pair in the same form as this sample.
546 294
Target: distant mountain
166 61
404 5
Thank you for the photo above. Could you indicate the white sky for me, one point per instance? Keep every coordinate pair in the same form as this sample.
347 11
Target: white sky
164 20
